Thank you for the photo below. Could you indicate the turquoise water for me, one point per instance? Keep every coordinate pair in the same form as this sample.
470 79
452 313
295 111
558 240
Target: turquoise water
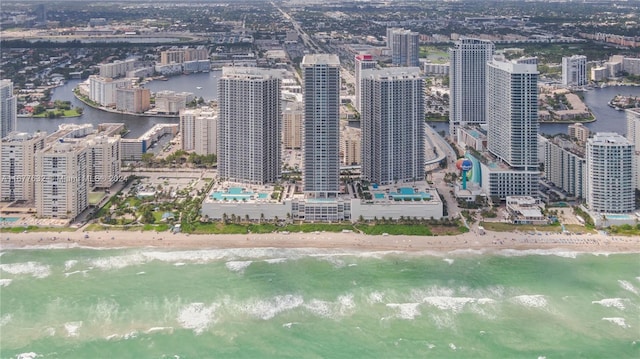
304 303
9 219
237 193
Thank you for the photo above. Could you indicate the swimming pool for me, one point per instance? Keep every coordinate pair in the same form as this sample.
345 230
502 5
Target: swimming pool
9 219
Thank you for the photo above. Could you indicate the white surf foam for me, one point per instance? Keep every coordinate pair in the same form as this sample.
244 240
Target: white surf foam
454 304
540 252
267 309
375 297
197 316
84 273
289 325
276 260
343 306
69 264
72 328
159 329
406 310
531 301
29 355
448 260
179 264
628 286
612 302
319 307
617 320
5 282
36 269
51 331
238 266
5 319
130 335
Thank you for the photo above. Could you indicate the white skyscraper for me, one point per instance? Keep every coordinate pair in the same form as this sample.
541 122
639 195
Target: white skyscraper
392 125
512 119
610 187
249 125
17 165
512 113
321 76
8 108
362 62
62 180
633 134
574 70
199 131
467 82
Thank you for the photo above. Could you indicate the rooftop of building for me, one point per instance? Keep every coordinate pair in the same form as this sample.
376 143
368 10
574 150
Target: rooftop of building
392 73
21 136
251 73
320 59
608 139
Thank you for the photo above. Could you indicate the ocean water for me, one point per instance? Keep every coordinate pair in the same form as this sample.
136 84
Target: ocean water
312 303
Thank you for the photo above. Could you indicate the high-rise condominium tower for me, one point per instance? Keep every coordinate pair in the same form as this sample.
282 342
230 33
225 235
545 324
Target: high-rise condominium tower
362 62
392 125
633 134
610 187
512 119
574 70
405 47
321 76
467 82
17 165
249 125
8 108
512 113
199 131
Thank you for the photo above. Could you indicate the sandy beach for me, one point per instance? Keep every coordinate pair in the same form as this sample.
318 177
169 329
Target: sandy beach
491 241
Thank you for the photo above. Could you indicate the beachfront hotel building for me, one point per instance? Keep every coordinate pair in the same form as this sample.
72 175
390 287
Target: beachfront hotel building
102 90
610 177
405 49
565 165
633 135
249 125
8 108
512 129
199 131
574 70
292 119
62 180
17 165
362 62
133 100
392 122
467 82
104 158
321 98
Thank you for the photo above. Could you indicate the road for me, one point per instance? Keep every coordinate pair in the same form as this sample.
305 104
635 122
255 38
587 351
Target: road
308 41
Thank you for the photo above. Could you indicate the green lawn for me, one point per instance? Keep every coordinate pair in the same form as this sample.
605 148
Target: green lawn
67 113
95 197
434 54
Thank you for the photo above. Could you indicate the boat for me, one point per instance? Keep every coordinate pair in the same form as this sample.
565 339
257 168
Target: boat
199 87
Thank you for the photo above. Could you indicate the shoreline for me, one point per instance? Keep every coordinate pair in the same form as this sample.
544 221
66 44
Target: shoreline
489 242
